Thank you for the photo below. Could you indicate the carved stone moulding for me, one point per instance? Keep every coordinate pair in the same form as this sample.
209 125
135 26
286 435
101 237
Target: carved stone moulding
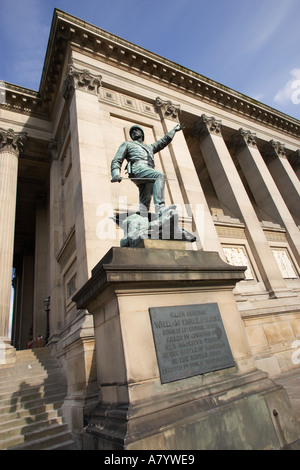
168 109
20 99
272 150
208 125
81 79
11 141
243 138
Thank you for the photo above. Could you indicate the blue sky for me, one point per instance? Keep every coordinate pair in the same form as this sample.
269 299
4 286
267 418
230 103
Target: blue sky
250 46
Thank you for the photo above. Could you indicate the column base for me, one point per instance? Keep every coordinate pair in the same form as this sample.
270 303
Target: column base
7 351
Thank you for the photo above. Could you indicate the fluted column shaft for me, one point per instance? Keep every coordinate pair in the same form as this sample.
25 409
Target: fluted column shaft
193 195
284 176
11 143
264 188
231 192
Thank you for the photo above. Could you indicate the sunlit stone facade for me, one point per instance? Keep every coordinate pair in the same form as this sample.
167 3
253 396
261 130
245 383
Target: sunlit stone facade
233 173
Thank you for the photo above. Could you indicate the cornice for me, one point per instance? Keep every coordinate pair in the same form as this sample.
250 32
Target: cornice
23 100
67 29
112 49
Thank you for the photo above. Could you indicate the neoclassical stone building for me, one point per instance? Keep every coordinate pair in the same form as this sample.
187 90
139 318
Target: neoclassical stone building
233 173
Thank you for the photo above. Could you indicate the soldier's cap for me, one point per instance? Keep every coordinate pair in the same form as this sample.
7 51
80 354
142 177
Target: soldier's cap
136 127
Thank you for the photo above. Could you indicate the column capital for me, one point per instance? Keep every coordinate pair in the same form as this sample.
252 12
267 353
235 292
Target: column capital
11 141
208 125
81 79
272 150
244 138
168 109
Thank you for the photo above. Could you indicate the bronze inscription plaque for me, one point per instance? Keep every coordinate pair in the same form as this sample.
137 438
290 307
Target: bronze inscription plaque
189 340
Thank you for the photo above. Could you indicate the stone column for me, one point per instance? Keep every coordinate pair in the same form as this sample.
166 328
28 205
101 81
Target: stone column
11 143
192 192
91 186
263 187
231 192
87 147
54 289
294 160
284 176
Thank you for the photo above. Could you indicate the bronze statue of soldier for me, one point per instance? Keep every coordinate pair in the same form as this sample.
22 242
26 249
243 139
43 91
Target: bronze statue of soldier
141 168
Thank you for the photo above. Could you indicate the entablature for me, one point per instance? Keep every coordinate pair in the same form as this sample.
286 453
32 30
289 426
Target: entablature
70 32
23 100
94 41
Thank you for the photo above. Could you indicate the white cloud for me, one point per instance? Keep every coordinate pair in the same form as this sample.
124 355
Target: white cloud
268 22
290 92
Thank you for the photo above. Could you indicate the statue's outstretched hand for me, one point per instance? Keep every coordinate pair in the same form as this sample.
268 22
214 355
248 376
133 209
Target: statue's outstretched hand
178 127
116 179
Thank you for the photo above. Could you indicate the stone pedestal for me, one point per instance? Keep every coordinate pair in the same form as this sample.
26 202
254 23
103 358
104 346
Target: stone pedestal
230 407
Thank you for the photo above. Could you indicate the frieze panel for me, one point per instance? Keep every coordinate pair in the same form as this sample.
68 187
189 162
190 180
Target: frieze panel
230 232
147 108
273 236
109 96
284 263
237 256
127 102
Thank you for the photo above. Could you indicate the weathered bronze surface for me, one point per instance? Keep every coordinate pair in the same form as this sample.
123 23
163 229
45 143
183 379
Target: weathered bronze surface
189 340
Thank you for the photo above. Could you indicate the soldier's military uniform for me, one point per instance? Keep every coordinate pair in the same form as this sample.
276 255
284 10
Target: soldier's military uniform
140 165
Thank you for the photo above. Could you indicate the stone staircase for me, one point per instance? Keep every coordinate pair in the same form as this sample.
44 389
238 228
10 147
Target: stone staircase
32 392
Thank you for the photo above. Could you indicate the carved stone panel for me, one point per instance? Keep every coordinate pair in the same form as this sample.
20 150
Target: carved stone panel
284 263
237 256
82 80
11 141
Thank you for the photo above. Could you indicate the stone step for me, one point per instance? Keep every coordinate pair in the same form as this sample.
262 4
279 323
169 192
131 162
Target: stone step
31 431
56 441
27 368
8 413
13 422
32 392
31 400
24 391
32 378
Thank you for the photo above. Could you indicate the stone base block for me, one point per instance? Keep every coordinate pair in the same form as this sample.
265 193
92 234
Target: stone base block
7 352
249 412
162 320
